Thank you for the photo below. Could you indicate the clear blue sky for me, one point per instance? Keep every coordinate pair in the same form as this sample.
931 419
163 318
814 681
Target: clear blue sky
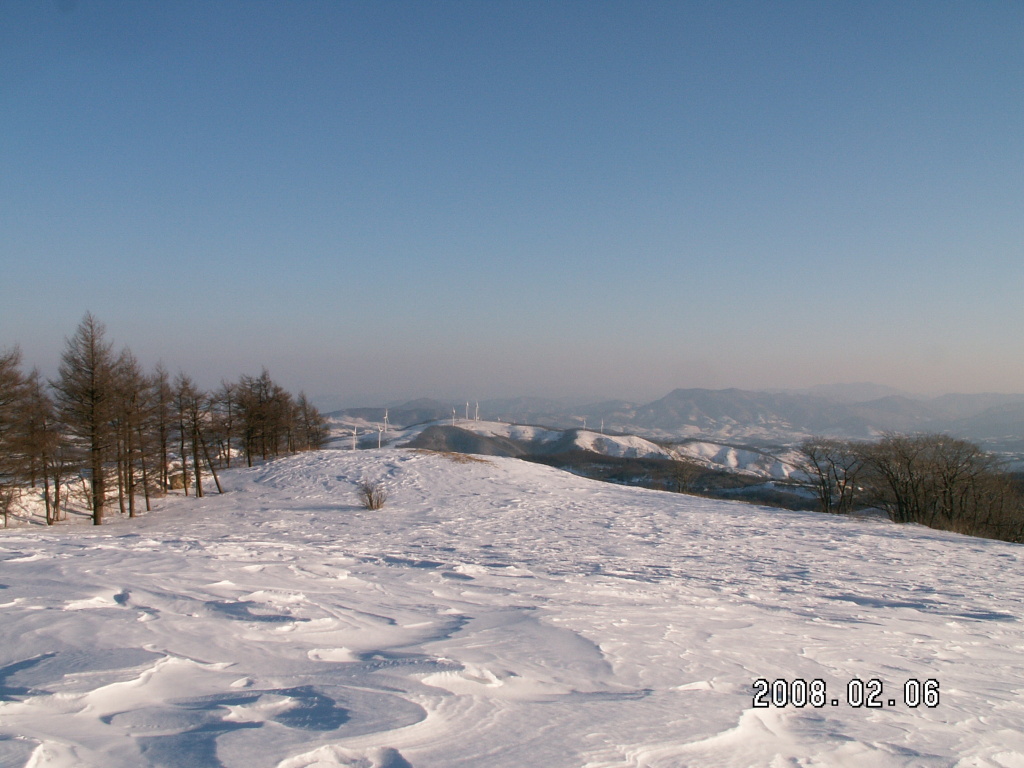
473 199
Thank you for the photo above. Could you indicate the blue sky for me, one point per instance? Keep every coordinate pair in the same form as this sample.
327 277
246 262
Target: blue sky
379 200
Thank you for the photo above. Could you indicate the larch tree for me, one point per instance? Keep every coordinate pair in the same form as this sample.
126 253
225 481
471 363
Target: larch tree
190 419
12 393
84 394
43 444
264 409
224 424
131 395
311 427
12 389
163 421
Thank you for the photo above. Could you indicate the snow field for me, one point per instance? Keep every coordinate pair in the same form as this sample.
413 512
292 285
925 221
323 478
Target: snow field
496 613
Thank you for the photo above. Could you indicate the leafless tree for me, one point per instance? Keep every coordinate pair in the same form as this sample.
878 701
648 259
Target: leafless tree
685 474
163 420
265 411
12 394
115 425
942 482
189 400
834 466
133 423
12 391
224 425
195 418
311 426
84 396
43 445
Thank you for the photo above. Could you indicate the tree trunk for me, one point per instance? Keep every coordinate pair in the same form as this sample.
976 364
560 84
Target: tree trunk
209 463
145 474
184 458
99 490
196 466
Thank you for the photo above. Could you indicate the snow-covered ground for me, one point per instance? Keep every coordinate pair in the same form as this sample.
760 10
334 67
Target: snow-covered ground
497 613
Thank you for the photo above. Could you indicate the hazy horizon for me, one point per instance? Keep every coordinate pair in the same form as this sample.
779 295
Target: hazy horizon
329 402
569 200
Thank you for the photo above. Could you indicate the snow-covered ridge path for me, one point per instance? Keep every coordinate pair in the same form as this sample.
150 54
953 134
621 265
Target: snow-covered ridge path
497 614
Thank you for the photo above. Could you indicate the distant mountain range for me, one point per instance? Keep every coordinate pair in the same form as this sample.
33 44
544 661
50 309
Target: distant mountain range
743 416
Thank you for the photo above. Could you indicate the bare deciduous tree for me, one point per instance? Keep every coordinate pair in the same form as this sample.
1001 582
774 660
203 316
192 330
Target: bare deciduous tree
834 466
943 482
311 426
163 420
189 402
265 410
12 393
225 420
685 474
43 445
84 397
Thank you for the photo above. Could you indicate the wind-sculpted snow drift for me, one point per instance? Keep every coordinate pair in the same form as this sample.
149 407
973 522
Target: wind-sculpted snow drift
497 613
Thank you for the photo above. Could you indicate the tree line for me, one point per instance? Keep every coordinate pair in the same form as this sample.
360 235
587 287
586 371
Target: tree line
932 479
132 435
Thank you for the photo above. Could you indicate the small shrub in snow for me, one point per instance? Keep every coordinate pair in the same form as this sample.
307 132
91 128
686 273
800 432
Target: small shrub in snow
372 494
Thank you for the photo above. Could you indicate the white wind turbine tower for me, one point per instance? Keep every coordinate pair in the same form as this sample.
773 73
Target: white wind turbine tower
453 415
385 419
477 416
355 431
467 410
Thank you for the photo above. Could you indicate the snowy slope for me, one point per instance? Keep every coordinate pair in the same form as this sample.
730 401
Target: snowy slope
533 439
542 439
742 460
625 446
497 613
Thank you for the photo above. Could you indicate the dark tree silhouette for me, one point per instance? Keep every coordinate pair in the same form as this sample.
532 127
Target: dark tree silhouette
84 393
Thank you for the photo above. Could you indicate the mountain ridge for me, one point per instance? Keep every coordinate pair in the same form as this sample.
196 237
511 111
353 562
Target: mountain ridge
733 414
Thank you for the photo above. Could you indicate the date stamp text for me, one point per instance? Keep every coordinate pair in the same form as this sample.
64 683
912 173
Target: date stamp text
858 693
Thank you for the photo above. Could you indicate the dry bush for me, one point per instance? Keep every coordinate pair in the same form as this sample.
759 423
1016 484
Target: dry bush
372 495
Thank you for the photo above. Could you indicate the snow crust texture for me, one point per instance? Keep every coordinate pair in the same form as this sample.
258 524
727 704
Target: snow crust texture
497 613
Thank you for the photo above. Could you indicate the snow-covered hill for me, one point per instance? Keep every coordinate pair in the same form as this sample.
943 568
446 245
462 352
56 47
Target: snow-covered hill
498 613
503 439
778 466
540 440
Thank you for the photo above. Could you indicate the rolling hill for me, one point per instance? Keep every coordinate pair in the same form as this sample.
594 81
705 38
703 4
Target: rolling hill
763 419
499 614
